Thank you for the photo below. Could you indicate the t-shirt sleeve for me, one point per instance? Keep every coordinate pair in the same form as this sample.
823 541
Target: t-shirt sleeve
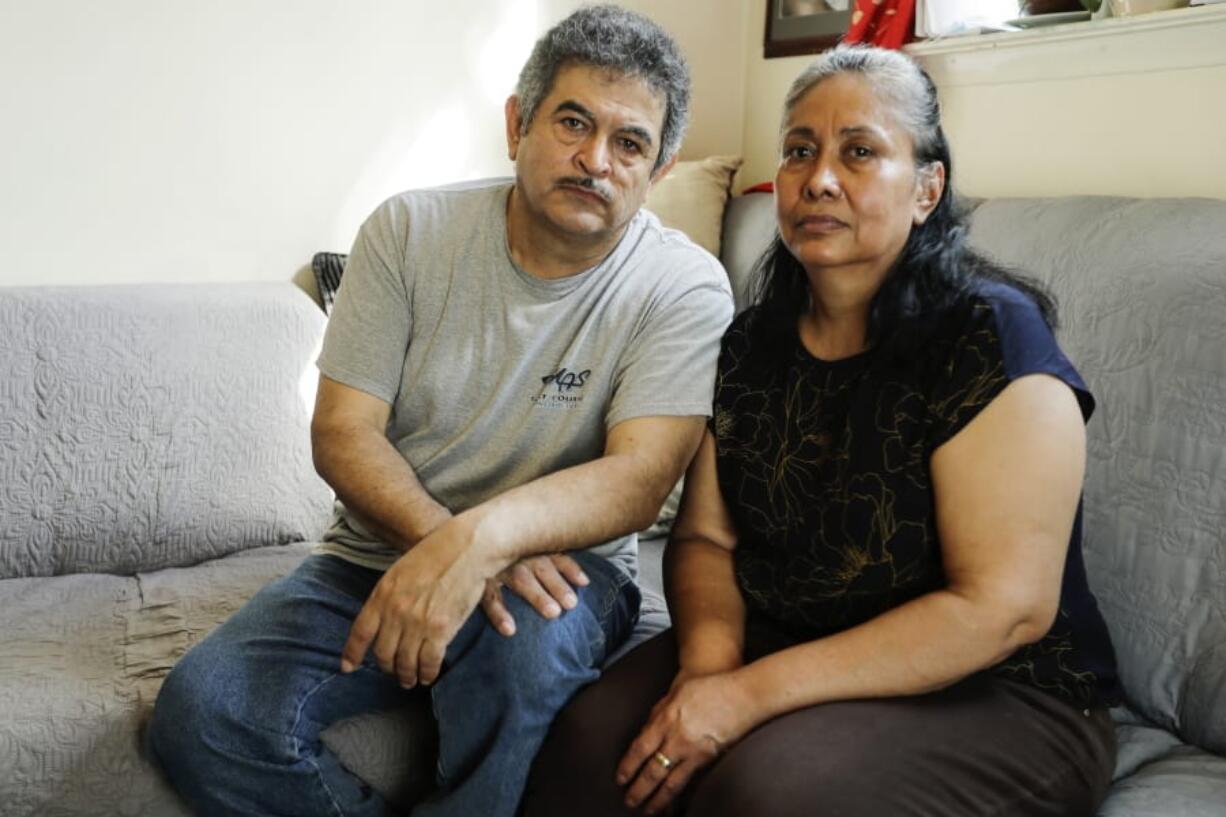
368 332
1001 340
669 367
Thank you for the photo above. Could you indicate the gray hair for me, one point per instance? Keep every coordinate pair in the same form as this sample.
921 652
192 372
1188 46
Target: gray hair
623 42
895 78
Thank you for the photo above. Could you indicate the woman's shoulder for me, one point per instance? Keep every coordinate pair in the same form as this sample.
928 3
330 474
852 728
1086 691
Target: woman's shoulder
748 356
1013 318
1004 324
1004 298
739 327
986 315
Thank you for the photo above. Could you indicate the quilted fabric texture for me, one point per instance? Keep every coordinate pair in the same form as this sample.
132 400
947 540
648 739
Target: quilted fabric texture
144 427
1186 782
81 661
1142 290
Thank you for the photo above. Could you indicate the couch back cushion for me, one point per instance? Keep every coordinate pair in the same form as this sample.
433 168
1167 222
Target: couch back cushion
144 427
749 226
1142 292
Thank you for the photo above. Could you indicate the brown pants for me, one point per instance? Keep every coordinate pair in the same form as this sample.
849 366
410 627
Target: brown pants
985 746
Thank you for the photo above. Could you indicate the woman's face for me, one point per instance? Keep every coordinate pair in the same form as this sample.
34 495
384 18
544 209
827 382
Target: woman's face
847 192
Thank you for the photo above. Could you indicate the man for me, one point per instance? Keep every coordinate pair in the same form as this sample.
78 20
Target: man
511 371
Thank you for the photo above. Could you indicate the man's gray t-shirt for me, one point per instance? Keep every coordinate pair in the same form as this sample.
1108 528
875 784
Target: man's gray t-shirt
496 377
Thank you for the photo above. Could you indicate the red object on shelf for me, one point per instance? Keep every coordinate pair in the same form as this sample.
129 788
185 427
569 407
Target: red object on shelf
761 187
884 23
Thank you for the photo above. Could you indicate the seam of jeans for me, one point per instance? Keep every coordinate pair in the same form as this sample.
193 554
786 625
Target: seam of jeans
627 582
597 644
620 580
297 744
440 771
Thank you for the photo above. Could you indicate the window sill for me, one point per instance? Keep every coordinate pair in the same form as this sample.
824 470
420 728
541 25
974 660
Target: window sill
1176 39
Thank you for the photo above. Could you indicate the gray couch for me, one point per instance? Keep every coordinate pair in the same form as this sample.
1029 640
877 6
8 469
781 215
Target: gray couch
155 471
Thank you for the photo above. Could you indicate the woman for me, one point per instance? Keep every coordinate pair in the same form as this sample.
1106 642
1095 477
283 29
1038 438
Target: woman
878 597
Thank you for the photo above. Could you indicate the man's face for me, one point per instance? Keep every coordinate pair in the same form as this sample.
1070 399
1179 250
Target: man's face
584 165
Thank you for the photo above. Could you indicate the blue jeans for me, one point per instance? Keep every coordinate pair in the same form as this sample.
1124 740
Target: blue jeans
237 723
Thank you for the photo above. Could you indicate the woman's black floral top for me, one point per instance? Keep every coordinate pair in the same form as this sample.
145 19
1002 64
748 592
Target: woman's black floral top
825 469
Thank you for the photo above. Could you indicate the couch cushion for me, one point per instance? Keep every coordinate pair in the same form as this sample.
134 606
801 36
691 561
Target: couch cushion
692 196
67 715
143 427
81 662
1185 782
1142 291
749 226
1138 742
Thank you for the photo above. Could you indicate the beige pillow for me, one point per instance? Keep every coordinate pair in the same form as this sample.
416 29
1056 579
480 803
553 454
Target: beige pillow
692 196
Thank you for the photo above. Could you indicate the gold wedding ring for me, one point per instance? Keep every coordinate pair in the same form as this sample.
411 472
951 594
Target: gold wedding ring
663 760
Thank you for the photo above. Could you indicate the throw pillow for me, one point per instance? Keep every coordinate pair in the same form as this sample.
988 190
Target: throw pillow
692 196
328 268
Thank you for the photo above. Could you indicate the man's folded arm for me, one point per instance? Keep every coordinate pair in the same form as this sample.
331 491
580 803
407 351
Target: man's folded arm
618 493
377 485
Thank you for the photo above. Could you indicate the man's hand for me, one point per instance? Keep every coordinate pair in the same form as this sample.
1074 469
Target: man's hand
545 582
419 605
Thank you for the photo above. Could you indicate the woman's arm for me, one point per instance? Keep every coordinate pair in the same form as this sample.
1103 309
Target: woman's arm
706 607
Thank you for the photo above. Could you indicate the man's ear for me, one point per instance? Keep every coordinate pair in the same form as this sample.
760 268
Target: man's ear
929 187
513 132
662 171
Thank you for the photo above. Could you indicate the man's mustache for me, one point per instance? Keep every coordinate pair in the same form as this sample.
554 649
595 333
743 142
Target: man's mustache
586 183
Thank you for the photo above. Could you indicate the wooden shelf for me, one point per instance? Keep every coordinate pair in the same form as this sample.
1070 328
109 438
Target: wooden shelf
1193 37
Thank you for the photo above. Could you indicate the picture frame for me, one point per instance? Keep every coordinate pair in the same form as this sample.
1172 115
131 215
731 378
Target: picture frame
795 27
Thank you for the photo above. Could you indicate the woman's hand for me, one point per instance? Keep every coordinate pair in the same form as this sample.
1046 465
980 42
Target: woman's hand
687 729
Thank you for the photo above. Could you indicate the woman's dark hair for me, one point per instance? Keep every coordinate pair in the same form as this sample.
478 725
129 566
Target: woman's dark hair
935 269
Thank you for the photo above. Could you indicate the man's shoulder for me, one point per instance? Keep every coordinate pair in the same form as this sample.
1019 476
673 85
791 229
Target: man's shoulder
419 219
674 257
448 196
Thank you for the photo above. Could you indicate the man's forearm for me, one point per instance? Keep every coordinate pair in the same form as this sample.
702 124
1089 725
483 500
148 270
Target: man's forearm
574 508
376 484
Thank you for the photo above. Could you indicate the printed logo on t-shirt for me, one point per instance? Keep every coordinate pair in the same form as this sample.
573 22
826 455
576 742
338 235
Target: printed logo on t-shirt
562 388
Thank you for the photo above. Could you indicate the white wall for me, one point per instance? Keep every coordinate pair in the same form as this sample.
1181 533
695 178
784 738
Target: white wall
161 140
711 33
1136 109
